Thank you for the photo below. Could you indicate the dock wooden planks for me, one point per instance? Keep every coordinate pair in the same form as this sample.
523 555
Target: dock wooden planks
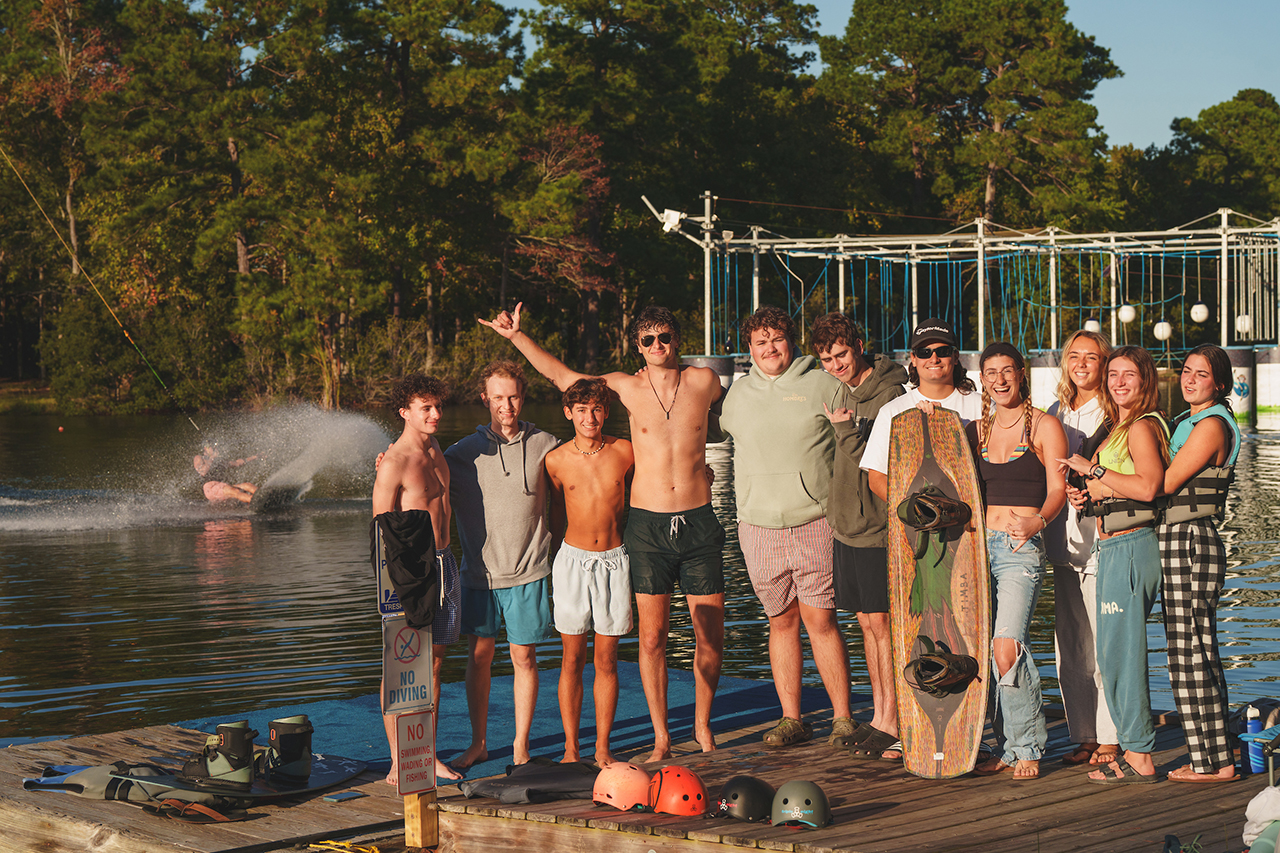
878 806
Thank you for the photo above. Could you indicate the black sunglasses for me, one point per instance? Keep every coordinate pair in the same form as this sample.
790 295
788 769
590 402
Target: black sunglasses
647 340
926 353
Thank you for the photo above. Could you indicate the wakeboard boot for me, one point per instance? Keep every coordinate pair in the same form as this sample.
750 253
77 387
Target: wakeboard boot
227 759
288 754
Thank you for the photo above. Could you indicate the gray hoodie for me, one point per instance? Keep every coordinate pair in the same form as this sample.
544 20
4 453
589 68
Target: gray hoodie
499 495
856 515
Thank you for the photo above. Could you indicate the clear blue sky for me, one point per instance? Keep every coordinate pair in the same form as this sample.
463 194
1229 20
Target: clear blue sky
1178 57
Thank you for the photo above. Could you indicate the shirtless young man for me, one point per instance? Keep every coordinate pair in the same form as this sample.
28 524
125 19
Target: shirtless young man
591 576
672 533
412 475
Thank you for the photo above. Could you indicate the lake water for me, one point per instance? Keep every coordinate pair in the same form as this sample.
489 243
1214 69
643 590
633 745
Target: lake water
127 600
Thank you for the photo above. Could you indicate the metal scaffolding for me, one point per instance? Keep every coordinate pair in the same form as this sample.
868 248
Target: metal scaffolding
998 282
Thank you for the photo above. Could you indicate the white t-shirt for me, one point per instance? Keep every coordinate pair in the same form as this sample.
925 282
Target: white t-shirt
1069 539
876 456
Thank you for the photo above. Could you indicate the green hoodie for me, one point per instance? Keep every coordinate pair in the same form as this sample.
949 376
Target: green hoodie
856 515
783 444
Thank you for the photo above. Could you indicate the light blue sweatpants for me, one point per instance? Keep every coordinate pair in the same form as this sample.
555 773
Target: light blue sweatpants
1128 583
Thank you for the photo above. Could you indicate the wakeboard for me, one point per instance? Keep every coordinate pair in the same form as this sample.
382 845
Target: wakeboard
275 498
941 599
326 771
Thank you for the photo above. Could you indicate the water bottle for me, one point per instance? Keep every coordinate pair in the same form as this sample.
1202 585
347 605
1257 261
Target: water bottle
1253 725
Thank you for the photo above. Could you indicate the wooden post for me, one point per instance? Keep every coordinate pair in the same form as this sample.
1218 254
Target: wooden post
421 820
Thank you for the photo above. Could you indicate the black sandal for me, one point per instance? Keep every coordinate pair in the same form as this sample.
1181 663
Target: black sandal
940 673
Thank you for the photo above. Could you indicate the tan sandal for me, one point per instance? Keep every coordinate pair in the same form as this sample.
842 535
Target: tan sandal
788 732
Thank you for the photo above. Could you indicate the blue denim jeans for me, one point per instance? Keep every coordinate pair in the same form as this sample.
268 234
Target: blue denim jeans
1017 709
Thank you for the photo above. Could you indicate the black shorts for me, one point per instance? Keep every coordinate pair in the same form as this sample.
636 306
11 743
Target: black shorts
666 547
862 578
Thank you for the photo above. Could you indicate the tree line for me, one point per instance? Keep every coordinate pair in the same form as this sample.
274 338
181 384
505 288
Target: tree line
305 199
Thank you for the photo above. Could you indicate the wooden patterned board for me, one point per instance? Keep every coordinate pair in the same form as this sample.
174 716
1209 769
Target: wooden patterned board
940 735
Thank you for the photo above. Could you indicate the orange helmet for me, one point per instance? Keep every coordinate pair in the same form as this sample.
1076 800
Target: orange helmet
678 791
621 785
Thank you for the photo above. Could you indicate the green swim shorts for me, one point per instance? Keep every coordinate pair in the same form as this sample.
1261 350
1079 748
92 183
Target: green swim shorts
666 547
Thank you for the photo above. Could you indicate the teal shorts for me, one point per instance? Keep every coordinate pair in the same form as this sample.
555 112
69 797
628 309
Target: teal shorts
524 609
667 547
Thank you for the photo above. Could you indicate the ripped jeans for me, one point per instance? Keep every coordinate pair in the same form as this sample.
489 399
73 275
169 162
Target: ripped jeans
1016 708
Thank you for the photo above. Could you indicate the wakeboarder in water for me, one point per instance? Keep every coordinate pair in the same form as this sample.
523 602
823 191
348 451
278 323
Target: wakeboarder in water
216 471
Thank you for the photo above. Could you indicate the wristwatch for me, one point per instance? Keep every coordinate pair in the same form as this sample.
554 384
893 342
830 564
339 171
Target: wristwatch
1097 472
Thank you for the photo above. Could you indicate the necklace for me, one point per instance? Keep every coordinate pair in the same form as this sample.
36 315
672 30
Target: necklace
1008 426
666 410
587 452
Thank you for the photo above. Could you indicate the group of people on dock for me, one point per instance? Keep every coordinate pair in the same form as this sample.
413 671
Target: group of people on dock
1078 487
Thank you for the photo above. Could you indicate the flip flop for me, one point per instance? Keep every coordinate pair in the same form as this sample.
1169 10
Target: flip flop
1000 767
874 745
186 812
1102 757
1194 778
1080 755
1124 774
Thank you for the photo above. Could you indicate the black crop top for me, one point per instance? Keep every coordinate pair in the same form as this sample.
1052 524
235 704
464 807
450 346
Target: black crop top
1018 482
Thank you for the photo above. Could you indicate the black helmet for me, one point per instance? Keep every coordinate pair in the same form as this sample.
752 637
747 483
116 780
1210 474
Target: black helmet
801 802
745 798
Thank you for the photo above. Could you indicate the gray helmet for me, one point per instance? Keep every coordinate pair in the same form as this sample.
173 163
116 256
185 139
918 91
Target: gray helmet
800 802
745 798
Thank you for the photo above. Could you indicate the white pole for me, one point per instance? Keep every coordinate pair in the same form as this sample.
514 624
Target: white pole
706 269
915 288
1111 273
982 287
840 263
1053 290
1223 213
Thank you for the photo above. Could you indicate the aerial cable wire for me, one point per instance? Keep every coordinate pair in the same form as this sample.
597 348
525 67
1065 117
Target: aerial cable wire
89 279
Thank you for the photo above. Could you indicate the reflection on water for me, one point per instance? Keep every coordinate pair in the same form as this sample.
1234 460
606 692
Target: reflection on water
127 600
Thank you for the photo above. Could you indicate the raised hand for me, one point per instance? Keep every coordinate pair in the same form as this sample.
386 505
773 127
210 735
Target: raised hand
506 323
839 415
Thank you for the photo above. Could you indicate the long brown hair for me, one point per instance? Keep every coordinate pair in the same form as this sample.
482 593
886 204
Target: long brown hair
1148 399
1068 392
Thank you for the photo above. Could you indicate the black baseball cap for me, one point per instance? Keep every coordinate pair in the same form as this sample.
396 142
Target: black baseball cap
933 330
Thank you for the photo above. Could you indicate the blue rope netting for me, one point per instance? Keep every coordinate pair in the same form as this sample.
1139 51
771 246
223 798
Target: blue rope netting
1018 308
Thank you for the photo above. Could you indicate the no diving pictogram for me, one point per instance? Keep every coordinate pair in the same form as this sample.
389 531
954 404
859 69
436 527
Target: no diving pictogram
407 645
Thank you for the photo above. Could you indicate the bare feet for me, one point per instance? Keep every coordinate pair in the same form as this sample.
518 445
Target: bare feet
520 755
475 754
570 756
1104 754
659 754
1026 769
706 740
604 758
1186 774
444 771
1022 768
393 778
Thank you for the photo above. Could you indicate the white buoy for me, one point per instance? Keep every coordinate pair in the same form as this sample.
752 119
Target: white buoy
1199 312
1244 324
1127 313
1093 324
1163 330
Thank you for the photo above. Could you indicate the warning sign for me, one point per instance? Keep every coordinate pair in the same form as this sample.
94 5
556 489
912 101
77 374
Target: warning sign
406 666
415 752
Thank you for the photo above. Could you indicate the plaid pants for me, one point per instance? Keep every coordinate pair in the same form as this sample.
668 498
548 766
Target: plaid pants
1195 566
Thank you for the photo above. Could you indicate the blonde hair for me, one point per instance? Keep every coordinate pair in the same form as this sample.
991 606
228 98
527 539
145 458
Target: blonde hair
1148 400
1067 391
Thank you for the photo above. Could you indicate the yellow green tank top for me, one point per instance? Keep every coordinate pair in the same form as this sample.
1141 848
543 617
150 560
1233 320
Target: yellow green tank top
1114 455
